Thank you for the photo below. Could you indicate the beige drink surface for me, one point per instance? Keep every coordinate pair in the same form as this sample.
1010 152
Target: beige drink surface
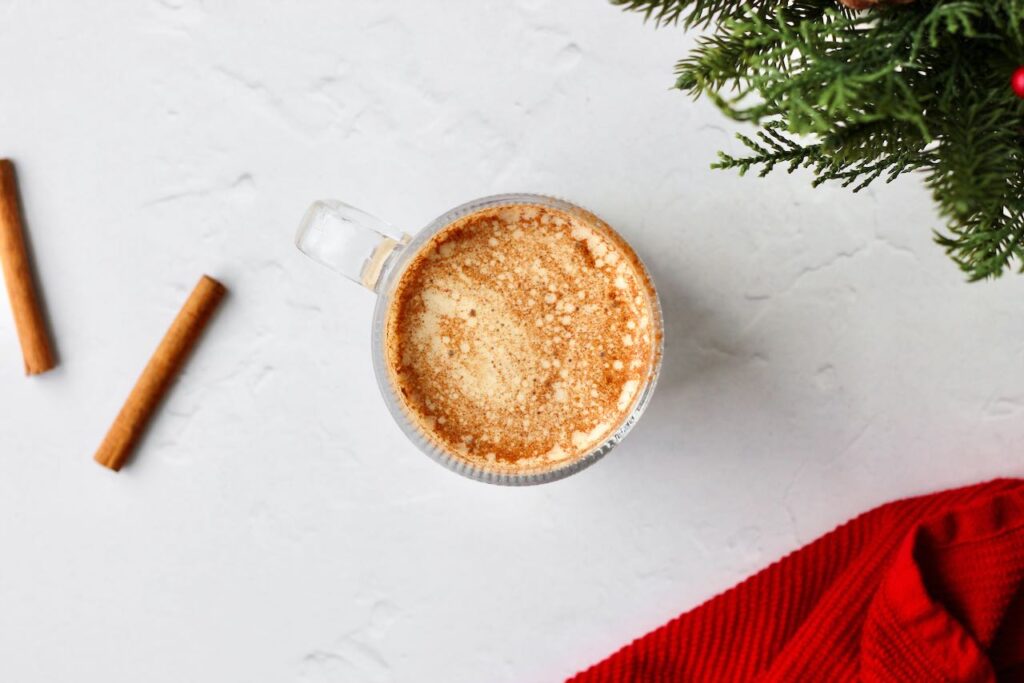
520 337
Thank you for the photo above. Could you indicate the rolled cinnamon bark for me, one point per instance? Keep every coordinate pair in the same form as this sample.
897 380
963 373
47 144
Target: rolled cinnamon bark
156 378
28 318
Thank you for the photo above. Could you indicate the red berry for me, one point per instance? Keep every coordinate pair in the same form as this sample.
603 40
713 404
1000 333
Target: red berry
1017 82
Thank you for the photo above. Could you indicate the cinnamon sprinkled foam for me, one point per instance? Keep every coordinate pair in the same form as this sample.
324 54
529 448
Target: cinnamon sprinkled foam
519 337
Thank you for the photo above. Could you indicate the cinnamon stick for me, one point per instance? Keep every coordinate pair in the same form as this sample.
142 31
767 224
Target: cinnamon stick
156 378
28 318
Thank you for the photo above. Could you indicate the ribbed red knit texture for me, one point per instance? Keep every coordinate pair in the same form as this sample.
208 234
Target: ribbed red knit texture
920 590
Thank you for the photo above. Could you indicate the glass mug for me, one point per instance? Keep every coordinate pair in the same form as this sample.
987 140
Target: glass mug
374 254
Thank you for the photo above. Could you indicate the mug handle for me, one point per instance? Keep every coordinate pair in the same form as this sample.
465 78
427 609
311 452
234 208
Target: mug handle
348 241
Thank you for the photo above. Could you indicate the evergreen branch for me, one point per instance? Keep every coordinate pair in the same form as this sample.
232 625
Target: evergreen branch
694 12
846 158
986 214
858 97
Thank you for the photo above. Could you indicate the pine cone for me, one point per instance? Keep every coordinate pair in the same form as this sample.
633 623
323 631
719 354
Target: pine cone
868 4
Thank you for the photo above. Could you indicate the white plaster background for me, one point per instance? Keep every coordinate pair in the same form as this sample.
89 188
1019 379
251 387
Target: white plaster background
823 355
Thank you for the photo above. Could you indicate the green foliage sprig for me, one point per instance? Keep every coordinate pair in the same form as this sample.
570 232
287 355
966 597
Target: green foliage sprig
857 96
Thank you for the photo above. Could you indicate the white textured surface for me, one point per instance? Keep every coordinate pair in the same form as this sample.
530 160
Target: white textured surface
823 356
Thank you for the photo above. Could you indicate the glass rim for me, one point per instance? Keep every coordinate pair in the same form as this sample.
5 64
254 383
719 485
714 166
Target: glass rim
400 412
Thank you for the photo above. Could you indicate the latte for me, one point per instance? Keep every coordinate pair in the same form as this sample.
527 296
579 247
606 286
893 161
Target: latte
521 337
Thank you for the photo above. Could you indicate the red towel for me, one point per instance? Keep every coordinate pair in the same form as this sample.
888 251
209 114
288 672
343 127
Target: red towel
923 589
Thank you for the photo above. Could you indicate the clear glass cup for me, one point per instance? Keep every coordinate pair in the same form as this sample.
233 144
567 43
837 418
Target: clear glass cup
374 254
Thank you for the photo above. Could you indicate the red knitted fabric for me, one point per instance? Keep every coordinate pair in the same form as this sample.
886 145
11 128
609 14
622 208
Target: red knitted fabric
923 589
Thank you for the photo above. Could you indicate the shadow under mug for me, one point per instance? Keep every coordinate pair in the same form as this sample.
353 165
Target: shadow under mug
374 254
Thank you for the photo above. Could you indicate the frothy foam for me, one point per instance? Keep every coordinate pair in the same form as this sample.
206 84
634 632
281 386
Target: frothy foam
519 336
